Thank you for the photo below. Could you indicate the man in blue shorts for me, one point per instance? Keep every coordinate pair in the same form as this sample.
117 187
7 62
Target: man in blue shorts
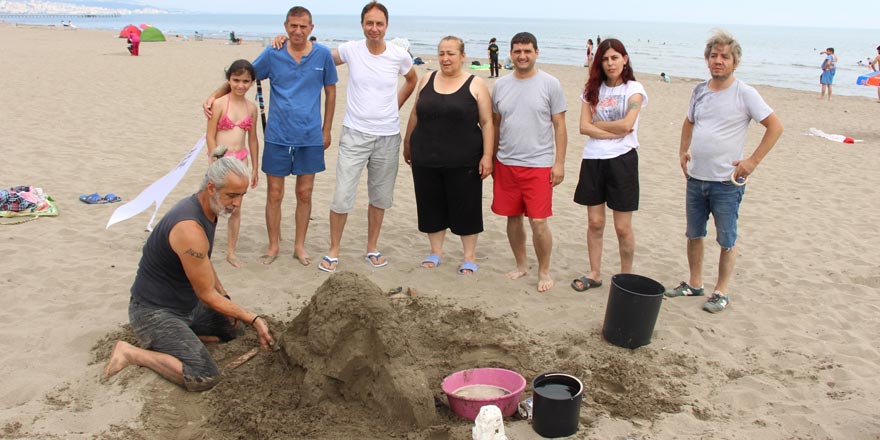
296 136
713 137
177 300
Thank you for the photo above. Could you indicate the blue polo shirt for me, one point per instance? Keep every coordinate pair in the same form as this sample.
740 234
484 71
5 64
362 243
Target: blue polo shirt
295 94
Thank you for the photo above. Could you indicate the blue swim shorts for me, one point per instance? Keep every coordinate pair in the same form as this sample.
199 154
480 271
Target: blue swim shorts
284 160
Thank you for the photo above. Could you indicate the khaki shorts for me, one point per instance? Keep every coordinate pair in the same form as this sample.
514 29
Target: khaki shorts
380 154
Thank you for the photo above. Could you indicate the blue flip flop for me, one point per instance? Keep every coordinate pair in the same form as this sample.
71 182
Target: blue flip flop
468 265
433 259
111 198
91 199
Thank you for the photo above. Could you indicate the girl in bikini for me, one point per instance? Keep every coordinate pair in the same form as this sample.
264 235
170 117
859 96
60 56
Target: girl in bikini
231 126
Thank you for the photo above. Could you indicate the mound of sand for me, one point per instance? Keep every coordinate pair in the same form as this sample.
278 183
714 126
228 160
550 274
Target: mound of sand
349 343
356 364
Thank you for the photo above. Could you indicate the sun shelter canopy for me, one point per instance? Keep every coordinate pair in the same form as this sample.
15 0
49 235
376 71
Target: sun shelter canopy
128 30
152 34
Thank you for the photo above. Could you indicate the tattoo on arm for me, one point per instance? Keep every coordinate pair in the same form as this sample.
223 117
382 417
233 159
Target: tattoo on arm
633 106
198 255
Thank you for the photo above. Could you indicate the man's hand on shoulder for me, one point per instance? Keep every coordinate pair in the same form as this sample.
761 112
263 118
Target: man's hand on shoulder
278 41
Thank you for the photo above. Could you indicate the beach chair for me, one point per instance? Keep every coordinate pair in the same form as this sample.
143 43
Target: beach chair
198 36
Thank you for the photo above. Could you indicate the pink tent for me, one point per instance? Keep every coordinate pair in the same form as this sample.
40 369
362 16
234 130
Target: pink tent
129 30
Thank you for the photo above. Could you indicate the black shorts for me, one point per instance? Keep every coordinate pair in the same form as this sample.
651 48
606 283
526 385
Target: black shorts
449 198
612 181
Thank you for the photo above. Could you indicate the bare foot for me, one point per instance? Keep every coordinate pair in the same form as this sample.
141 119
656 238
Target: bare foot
267 259
118 359
517 273
303 258
232 260
545 284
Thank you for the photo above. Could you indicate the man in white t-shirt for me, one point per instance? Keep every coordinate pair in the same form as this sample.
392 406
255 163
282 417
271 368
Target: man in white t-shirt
370 130
530 144
713 138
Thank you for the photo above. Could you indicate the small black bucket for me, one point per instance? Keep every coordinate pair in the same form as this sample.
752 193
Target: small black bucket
633 305
556 404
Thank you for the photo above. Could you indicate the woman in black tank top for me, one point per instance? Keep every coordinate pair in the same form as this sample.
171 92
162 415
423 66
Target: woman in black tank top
449 144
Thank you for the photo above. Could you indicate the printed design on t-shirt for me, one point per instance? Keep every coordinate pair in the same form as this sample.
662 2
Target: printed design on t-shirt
611 107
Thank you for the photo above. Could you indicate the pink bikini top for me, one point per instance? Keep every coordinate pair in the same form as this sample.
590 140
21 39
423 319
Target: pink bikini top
226 124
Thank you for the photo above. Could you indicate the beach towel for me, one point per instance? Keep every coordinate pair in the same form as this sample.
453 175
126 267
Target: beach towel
479 66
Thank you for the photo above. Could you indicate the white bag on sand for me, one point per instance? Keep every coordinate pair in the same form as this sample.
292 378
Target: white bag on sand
489 424
832 137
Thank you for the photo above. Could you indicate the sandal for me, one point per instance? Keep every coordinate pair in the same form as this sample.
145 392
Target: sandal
585 284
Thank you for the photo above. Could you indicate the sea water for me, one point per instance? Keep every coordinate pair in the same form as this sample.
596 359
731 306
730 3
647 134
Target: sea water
777 56
481 392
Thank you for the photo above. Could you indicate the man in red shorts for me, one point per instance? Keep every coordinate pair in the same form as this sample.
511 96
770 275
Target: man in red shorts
530 143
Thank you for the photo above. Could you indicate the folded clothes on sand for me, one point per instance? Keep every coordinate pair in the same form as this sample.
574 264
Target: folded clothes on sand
26 200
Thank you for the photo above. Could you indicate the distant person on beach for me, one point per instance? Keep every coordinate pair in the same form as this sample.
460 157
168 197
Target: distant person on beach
610 107
829 68
529 118
233 39
449 144
224 133
875 66
313 39
588 61
493 58
713 138
296 135
665 78
177 301
134 44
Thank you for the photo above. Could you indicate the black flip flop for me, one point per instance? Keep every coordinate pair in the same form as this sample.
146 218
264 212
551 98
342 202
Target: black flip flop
586 284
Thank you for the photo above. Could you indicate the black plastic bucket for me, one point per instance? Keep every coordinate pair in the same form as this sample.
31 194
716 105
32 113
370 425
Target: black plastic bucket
633 305
556 404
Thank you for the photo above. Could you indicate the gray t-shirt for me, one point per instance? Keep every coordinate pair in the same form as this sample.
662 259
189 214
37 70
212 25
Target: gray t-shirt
526 107
721 121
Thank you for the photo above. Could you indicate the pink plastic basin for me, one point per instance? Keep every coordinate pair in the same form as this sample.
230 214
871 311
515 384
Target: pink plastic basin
468 407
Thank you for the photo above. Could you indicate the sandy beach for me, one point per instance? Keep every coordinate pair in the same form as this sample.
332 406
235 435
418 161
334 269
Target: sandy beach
796 356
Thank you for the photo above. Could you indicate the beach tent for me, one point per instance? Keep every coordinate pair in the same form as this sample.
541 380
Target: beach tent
128 30
152 34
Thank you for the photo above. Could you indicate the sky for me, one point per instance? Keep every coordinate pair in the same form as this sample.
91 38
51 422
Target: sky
811 13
